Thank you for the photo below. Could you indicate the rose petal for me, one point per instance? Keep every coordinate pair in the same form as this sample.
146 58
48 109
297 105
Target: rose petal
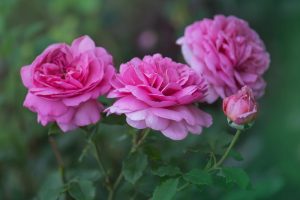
26 76
139 124
82 44
87 113
175 131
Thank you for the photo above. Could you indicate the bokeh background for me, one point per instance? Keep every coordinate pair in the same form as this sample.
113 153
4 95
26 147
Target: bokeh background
129 28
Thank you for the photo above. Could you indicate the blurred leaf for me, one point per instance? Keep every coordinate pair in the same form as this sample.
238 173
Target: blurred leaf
220 181
114 119
236 175
166 190
82 190
167 171
264 189
198 177
52 188
152 152
134 166
85 174
236 155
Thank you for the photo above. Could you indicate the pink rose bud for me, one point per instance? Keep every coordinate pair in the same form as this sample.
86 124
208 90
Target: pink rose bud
240 108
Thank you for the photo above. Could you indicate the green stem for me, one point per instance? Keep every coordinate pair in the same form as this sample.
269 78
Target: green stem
225 155
97 156
115 186
135 145
138 143
183 187
60 163
100 163
58 158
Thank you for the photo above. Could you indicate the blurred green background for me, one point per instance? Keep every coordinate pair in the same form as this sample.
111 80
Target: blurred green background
129 28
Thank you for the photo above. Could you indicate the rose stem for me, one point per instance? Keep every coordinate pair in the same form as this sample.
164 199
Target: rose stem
60 163
135 145
58 157
97 155
232 143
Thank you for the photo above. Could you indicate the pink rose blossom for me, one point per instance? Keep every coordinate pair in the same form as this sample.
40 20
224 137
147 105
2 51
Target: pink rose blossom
228 53
241 108
158 93
65 81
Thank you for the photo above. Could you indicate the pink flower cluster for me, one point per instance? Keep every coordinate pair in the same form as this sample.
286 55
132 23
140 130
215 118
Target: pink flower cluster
65 81
158 93
228 53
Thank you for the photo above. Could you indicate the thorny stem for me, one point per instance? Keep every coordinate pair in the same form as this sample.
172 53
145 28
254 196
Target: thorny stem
136 143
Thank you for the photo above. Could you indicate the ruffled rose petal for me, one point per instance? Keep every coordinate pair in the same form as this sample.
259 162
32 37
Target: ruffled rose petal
175 131
87 113
157 93
139 124
82 44
26 76
227 52
44 106
64 82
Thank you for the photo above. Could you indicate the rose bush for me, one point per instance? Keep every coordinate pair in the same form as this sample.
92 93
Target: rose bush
65 81
158 93
228 53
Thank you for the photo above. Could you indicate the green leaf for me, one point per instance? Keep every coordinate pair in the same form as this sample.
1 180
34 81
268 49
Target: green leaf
166 190
52 188
198 177
82 190
167 171
134 166
236 175
236 155
85 174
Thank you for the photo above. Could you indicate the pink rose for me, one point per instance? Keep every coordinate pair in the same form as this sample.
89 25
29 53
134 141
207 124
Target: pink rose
158 93
240 108
228 53
65 81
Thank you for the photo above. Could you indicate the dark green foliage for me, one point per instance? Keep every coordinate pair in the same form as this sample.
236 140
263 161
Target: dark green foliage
134 166
198 177
236 175
166 191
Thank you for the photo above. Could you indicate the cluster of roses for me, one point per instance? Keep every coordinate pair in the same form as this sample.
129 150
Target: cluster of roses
224 54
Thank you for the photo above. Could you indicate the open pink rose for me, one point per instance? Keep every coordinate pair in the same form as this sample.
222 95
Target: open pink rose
65 81
241 108
228 53
158 93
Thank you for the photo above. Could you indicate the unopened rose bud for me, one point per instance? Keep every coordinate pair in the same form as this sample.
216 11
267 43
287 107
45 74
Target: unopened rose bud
240 108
